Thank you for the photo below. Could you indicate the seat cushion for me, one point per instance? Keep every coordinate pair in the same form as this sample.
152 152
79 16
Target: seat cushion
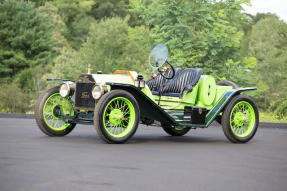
185 80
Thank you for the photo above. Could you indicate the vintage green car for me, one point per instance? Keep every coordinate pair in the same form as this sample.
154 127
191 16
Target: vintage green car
178 100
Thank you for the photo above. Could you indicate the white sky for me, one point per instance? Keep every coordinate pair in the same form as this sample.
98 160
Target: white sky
279 7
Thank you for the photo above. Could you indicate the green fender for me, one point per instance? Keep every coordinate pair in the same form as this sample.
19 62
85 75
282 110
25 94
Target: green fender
148 108
222 102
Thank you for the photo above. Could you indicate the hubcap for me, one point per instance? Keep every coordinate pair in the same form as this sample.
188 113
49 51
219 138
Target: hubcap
116 116
57 112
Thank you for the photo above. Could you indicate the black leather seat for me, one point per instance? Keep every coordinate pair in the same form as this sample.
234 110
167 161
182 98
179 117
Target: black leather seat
184 81
155 84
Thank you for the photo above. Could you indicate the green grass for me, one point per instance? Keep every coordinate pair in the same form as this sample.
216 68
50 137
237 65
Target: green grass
269 117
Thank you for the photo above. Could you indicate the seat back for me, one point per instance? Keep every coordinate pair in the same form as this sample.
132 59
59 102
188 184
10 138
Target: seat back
187 78
155 84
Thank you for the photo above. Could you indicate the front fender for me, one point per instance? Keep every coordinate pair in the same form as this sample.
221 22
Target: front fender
148 108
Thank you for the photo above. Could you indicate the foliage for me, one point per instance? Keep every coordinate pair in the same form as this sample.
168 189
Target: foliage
25 37
75 14
110 8
68 66
268 43
58 25
31 80
10 103
279 108
113 45
198 33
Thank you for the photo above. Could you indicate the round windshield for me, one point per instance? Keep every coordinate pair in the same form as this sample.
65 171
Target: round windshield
158 56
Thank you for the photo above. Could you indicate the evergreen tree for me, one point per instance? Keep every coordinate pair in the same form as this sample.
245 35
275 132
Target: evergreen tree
25 37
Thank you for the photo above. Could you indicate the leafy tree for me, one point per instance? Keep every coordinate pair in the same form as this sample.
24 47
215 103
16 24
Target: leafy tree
25 37
68 65
111 45
75 14
109 8
268 43
58 25
199 33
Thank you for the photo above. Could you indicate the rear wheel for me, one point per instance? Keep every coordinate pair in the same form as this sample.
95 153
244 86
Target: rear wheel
51 111
240 119
174 131
116 116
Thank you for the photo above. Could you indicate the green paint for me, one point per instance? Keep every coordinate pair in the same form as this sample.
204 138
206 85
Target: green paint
242 119
207 90
220 90
148 93
63 106
119 117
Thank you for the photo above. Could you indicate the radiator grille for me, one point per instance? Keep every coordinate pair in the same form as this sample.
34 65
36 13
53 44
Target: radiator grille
83 96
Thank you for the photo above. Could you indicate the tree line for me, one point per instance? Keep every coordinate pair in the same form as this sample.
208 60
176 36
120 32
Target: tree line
59 38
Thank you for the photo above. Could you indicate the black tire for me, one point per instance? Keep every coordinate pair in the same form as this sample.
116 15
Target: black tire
225 83
226 120
99 112
174 132
40 119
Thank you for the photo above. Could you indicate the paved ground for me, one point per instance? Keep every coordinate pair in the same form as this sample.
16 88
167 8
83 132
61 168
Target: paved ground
202 160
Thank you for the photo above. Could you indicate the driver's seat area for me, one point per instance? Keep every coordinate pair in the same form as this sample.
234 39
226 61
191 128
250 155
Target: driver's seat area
182 81
155 84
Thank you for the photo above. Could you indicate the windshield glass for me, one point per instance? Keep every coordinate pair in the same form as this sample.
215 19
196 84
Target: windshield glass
158 56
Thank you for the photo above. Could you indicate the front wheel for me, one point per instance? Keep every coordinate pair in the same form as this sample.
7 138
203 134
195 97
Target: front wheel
51 111
240 119
116 116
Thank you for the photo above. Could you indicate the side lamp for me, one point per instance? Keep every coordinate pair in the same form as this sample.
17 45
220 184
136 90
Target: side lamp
139 81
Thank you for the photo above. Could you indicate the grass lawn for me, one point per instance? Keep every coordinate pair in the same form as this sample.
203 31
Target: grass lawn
268 117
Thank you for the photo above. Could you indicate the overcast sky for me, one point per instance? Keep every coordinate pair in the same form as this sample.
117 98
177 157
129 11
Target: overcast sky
279 7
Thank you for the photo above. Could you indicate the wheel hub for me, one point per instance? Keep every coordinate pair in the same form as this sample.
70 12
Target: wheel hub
116 116
57 111
239 119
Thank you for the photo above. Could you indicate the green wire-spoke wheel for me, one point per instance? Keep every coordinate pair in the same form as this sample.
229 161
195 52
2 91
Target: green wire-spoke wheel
51 112
116 116
240 119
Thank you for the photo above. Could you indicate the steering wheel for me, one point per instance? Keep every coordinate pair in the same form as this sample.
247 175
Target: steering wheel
165 73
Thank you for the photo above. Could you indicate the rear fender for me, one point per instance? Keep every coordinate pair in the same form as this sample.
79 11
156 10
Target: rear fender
222 102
